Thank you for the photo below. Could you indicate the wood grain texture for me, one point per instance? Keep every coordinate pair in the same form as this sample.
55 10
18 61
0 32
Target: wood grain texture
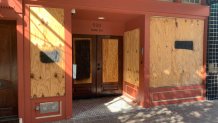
110 60
131 56
170 66
87 80
47 34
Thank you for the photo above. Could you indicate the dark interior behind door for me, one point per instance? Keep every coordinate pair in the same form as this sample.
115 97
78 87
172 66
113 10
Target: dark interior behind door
8 69
84 55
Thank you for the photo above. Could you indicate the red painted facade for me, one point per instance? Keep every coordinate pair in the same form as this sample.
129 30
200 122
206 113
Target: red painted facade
19 10
108 28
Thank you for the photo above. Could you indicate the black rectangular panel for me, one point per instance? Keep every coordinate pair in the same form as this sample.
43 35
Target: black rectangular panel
188 45
82 57
49 56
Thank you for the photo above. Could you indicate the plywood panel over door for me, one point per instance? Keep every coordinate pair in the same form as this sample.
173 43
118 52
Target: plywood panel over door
170 66
109 65
131 53
47 34
110 60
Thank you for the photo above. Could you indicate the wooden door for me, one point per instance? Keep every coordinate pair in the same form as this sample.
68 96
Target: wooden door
109 65
84 57
98 61
8 69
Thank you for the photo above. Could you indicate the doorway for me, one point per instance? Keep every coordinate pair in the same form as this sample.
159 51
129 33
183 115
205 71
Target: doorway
8 71
97 65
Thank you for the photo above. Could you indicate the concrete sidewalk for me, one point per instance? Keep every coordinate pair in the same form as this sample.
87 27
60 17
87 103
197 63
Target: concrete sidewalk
196 112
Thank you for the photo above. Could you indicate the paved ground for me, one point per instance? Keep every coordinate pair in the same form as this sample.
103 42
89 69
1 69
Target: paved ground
110 110
102 106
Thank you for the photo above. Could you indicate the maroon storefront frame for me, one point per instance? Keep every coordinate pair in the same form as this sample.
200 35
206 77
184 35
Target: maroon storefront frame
155 8
11 10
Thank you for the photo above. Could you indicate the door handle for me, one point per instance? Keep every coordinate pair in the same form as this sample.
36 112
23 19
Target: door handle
98 66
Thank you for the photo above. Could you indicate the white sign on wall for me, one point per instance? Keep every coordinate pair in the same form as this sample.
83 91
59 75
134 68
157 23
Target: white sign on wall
74 71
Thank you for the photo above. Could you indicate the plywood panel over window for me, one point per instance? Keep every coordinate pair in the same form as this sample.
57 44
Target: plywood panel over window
170 66
131 56
47 35
110 60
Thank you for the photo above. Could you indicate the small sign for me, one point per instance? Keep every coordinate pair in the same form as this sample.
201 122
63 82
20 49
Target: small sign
49 107
74 71
49 56
96 27
212 68
188 45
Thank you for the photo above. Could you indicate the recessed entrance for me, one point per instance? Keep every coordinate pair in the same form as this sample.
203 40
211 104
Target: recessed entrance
8 71
106 60
98 61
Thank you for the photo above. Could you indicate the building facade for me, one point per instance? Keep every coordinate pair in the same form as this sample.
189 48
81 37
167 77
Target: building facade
160 52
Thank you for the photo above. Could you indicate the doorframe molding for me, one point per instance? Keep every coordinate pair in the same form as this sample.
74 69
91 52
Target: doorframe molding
10 14
93 62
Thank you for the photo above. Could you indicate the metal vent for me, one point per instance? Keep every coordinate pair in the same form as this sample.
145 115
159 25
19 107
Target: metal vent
49 107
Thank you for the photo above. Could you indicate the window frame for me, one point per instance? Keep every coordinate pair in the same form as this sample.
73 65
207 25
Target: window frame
201 2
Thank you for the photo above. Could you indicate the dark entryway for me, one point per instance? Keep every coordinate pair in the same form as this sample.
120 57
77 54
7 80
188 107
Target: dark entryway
8 71
98 61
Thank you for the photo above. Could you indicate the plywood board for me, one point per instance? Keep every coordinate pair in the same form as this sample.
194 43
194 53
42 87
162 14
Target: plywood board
170 66
110 60
131 56
47 34
87 80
